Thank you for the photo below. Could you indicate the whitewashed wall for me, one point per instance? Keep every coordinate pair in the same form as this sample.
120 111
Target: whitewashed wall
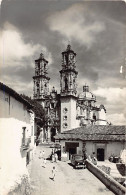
13 116
111 148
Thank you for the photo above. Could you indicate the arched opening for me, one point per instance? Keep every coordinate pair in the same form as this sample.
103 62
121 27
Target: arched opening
100 154
66 84
53 133
94 116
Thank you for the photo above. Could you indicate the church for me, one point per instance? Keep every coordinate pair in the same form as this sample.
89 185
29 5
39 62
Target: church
68 109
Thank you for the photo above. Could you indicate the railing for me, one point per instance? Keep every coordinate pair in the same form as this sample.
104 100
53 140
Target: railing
112 184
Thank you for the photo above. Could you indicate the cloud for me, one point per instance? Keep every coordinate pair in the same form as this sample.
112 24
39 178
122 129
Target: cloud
17 59
112 95
75 23
115 103
14 49
118 119
16 84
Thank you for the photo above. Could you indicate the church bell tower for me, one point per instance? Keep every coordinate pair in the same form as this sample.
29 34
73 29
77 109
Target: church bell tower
68 74
68 84
41 80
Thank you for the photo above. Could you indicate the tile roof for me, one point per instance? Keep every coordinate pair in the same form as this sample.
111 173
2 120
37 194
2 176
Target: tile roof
95 132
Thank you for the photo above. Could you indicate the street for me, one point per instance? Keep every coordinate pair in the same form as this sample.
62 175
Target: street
68 181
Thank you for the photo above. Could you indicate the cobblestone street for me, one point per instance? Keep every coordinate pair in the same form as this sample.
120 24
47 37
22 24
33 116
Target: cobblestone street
67 181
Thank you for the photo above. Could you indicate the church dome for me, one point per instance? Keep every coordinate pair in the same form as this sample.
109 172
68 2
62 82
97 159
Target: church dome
86 94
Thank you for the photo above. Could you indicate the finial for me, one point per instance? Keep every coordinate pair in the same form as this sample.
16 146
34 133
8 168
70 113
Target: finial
41 56
68 46
53 89
85 88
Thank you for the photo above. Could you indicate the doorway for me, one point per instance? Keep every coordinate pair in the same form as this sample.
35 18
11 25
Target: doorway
71 151
53 133
100 154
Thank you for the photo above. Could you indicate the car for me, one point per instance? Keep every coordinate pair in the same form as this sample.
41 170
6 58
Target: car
78 161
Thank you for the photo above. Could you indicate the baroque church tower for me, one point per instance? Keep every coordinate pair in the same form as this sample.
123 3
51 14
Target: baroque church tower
68 93
41 80
68 74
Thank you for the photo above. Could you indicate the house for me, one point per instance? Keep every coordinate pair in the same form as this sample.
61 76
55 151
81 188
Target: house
101 140
69 108
16 135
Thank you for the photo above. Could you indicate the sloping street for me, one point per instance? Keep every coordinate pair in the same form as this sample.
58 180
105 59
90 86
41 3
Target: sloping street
67 180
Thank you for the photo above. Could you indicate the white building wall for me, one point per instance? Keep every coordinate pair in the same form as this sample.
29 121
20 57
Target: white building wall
114 148
70 104
10 107
102 118
77 123
32 126
13 117
90 148
12 164
73 113
111 148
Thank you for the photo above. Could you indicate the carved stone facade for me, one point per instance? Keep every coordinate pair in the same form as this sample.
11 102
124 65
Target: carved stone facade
65 110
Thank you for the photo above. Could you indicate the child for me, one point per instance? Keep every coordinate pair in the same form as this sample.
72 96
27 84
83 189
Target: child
43 153
56 157
44 162
53 173
53 158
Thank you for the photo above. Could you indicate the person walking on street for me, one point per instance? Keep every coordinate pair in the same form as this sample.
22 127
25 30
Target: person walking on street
56 157
43 153
53 173
53 158
44 162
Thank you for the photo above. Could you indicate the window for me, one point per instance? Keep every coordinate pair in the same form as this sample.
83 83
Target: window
65 110
24 135
94 117
65 125
37 73
64 118
52 105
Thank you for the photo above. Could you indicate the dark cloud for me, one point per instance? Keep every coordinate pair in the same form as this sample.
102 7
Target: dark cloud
97 65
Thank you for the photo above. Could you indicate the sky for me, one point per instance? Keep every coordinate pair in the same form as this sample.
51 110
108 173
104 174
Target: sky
96 32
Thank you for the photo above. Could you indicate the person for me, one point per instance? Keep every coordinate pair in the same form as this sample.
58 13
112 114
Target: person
53 173
56 157
43 153
53 158
93 155
94 161
52 150
44 162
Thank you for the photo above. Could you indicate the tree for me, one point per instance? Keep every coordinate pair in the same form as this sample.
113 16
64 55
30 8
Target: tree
39 111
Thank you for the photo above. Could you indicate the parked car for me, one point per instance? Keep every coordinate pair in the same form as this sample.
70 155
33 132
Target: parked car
78 161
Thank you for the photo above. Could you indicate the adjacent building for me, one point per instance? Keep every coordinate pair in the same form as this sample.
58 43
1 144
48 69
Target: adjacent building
16 135
103 141
67 109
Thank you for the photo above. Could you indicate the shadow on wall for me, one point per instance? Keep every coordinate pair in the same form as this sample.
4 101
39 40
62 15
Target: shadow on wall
121 168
